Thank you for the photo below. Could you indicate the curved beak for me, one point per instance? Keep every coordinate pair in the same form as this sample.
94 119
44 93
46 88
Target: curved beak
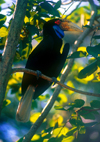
67 25
71 31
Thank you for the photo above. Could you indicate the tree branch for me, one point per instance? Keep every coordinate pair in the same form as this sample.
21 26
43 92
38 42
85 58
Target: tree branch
50 80
10 46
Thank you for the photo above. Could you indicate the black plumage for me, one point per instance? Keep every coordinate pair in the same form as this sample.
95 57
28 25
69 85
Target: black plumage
48 59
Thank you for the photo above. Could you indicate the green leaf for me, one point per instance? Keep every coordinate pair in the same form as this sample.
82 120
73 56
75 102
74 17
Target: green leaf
87 26
2 19
59 107
76 122
32 29
77 103
97 37
82 130
90 124
58 4
67 139
77 54
91 68
3 32
5 103
2 1
48 7
88 116
98 62
20 140
34 104
71 131
94 51
95 104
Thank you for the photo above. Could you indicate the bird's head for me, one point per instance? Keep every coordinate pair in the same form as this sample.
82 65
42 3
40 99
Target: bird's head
62 28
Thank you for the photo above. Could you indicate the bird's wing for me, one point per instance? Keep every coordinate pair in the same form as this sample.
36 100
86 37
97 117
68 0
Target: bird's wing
38 60
40 53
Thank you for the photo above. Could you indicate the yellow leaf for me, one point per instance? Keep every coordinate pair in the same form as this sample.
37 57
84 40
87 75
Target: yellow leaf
26 19
3 32
69 83
35 137
56 119
82 49
62 130
34 117
63 98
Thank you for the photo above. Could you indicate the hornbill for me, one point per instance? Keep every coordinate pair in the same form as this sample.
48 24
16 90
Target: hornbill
46 58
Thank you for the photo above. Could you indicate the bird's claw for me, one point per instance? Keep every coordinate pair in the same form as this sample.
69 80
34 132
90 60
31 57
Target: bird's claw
38 74
54 80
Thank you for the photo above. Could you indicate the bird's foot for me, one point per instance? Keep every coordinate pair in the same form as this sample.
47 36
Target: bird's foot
54 80
38 74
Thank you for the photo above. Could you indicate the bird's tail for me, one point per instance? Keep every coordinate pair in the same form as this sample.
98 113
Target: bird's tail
24 107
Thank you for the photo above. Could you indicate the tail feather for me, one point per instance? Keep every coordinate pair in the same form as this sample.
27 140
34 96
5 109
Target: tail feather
24 107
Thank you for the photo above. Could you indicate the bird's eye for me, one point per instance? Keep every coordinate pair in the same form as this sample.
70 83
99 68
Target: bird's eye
57 22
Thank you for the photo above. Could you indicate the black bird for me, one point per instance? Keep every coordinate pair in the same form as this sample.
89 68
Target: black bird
48 59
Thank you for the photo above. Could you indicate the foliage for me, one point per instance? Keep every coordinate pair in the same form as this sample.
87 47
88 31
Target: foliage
72 109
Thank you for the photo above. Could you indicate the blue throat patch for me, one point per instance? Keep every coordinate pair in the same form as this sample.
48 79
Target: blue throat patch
58 31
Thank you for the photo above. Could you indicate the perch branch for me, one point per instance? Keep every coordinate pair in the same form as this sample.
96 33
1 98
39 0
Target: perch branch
14 70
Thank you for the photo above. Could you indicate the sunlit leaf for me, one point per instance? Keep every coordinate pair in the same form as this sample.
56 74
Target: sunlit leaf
26 19
68 139
35 137
5 103
77 54
71 131
69 83
95 104
3 32
57 119
82 48
59 107
34 117
62 98
88 70
60 131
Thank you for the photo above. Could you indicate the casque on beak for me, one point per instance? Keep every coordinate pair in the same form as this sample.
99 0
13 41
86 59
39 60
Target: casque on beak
71 31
